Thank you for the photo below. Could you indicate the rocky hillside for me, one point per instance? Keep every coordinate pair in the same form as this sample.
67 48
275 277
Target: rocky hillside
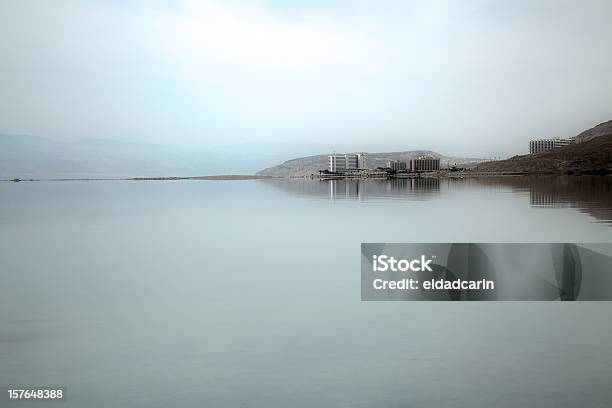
592 155
603 129
305 166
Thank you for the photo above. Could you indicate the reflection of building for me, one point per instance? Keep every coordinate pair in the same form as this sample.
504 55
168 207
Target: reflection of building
544 145
342 163
425 184
396 165
414 188
591 195
398 185
425 164
344 189
538 198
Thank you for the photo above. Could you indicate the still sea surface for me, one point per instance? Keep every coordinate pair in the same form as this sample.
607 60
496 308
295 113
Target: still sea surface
247 294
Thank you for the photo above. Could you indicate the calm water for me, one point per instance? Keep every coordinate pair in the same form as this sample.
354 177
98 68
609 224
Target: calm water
246 293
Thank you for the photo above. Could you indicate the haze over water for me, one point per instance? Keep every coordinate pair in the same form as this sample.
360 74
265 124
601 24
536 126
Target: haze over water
246 293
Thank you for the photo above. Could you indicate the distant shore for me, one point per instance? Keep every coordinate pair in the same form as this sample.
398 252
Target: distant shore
219 177
457 174
238 177
155 178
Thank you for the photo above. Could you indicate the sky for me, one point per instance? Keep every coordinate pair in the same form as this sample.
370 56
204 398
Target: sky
473 78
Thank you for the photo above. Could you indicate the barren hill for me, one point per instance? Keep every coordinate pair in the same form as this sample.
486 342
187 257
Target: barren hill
592 155
603 129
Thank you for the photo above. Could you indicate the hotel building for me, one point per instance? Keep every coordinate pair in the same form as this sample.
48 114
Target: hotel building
396 165
425 164
544 145
343 163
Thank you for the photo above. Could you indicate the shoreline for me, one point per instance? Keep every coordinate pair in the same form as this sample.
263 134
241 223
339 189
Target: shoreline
244 177
222 177
458 174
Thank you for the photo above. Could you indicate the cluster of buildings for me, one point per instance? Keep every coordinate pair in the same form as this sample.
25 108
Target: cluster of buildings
355 163
544 145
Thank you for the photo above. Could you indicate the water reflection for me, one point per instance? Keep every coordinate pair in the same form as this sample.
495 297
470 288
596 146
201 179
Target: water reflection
546 199
381 188
416 188
589 194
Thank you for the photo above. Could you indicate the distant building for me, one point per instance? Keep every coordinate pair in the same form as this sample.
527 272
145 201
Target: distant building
425 164
343 163
544 145
396 165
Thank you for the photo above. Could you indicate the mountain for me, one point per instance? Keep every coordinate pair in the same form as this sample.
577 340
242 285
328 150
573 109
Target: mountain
305 166
603 129
26 157
36 157
591 155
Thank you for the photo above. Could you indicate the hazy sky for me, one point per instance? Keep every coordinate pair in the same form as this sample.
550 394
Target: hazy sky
471 78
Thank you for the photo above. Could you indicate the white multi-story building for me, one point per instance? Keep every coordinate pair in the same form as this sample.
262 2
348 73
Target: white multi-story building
342 163
544 145
396 165
425 164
